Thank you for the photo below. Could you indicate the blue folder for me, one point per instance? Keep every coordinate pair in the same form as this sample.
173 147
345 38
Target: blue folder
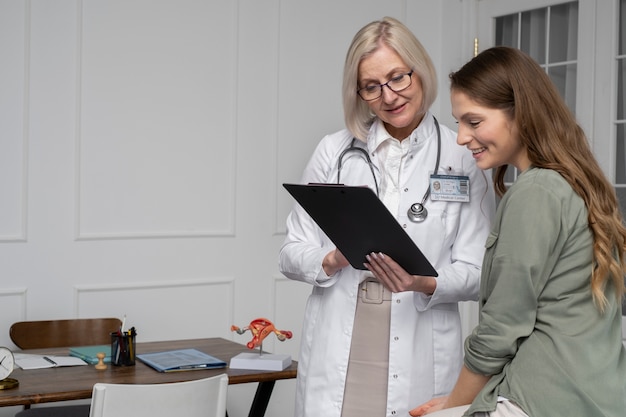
88 353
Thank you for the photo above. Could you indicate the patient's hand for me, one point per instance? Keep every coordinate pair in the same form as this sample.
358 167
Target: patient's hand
431 406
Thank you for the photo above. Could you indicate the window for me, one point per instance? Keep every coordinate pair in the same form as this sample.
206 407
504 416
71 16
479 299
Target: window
620 113
620 118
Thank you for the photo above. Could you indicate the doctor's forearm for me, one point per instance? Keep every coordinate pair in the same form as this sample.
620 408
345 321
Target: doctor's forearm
333 262
425 285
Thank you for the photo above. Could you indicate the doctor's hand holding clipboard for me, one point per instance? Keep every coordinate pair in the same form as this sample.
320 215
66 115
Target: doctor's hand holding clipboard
395 278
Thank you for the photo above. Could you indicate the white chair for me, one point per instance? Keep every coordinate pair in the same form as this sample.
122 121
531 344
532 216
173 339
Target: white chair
199 398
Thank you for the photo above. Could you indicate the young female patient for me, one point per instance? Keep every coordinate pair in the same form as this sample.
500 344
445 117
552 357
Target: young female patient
549 338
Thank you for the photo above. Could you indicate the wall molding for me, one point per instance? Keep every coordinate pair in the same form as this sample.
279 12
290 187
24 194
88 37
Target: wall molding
16 293
21 235
225 228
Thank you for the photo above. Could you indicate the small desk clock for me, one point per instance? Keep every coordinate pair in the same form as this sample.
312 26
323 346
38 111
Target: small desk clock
7 363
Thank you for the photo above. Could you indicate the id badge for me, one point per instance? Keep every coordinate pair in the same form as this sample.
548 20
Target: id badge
450 188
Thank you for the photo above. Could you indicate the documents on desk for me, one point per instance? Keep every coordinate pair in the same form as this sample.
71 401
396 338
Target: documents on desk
180 360
89 353
32 361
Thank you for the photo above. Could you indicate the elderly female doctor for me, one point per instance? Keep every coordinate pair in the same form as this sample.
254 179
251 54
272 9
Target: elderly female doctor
379 342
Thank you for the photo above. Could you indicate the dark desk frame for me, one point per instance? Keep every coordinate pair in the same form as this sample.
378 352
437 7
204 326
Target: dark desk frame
39 386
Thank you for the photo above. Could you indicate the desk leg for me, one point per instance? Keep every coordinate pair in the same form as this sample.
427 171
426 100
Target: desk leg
261 399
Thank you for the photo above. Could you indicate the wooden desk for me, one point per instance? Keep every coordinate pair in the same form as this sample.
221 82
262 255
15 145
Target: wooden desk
76 382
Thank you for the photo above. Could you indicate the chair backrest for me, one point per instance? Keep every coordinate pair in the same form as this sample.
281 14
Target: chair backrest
63 333
199 398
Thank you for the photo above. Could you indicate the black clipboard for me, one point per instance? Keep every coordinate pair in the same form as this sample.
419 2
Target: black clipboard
358 223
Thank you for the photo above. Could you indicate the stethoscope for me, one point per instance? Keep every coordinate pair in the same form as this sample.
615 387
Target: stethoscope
417 213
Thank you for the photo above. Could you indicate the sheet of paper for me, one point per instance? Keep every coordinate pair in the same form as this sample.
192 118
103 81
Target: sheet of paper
31 361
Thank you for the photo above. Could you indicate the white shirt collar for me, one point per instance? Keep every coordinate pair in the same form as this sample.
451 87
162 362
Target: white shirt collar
378 134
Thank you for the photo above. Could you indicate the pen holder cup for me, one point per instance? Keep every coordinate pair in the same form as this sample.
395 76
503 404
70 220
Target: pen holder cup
122 349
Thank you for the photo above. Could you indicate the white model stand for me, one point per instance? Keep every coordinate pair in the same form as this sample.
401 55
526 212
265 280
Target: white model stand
260 361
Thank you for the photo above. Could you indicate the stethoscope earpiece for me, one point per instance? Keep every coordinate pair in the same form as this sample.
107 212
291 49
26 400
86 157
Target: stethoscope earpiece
417 213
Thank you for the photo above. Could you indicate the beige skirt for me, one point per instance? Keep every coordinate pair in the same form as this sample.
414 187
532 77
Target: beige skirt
368 368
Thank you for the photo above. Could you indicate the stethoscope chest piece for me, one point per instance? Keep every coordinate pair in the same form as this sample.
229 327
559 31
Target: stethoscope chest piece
417 213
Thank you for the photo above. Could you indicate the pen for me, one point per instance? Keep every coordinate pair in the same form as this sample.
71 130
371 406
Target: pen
50 360
192 366
130 345
117 350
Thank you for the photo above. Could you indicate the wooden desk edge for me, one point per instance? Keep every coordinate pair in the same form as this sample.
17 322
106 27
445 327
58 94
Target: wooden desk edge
235 376
86 394
288 373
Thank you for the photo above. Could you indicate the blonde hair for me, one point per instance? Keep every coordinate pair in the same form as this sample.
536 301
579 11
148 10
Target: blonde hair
397 36
510 80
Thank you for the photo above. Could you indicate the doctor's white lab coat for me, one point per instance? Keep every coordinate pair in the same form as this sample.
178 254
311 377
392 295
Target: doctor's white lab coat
425 345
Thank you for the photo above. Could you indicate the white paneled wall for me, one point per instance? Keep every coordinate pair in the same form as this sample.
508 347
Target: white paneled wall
13 122
150 94
143 145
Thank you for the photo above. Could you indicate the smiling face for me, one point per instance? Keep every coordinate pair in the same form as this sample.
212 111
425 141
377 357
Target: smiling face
400 112
489 133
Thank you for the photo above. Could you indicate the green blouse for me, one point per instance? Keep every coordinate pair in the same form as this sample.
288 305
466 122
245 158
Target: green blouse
539 333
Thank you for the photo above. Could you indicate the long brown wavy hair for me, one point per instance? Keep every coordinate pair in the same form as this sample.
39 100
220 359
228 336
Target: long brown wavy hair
510 80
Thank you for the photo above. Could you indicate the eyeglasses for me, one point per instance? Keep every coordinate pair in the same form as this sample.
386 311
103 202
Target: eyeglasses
396 84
